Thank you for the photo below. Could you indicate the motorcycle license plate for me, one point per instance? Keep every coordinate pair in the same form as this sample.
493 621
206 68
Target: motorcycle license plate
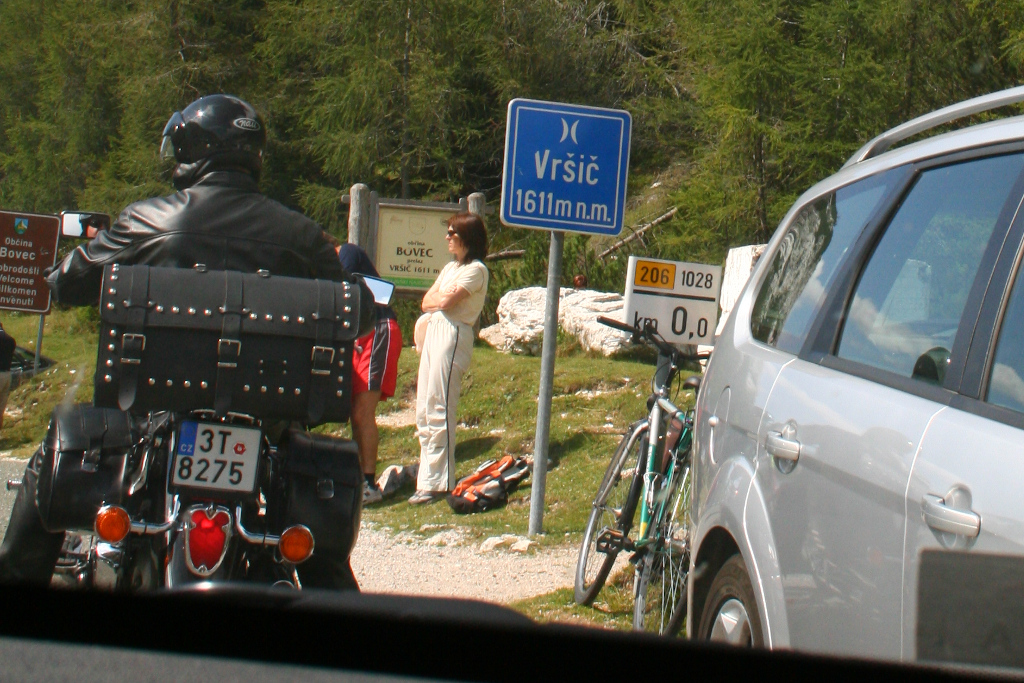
217 456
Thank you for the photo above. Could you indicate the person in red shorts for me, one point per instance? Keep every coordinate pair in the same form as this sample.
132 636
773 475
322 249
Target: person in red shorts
375 370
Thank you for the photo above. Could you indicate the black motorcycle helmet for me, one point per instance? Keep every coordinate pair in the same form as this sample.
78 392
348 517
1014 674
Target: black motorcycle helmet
216 132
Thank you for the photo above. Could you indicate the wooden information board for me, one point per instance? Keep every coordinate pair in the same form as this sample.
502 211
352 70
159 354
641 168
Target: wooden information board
411 245
28 246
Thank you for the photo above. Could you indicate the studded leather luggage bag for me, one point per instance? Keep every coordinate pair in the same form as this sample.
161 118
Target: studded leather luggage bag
259 344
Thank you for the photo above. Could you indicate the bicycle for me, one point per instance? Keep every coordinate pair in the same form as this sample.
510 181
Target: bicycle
651 464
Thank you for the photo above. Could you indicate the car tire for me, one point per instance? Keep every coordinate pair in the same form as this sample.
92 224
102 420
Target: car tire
730 612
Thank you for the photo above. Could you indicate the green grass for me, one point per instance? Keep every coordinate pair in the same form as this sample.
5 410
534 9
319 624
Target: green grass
594 399
69 337
612 609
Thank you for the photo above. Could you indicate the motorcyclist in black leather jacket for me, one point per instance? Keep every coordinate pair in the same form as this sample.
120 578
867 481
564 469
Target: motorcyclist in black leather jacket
217 218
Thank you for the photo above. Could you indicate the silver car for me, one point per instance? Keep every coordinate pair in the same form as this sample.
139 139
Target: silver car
865 400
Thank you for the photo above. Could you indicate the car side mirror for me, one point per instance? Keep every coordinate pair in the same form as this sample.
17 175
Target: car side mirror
382 289
83 225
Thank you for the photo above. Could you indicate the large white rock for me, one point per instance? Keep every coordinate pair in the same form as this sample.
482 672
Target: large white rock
520 322
738 266
520 326
578 310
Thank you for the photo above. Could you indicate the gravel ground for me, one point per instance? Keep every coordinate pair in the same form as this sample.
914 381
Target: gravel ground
445 565
438 561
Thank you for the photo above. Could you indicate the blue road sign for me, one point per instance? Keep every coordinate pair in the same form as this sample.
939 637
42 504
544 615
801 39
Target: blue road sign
565 167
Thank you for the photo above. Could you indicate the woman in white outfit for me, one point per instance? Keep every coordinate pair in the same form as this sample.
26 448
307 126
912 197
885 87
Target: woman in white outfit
454 303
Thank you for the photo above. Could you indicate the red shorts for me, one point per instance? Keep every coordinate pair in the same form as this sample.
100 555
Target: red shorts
375 359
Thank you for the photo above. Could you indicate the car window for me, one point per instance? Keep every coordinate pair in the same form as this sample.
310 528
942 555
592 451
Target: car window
807 260
911 295
1006 385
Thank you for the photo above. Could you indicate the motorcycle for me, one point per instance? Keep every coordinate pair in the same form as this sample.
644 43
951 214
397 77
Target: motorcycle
203 500
194 464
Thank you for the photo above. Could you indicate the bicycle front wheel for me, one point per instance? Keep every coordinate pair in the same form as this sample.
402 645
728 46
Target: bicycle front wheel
612 515
660 589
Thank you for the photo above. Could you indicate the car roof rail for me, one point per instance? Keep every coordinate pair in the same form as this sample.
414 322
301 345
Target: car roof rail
936 118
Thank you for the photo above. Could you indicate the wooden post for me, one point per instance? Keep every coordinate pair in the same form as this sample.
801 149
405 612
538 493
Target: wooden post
359 215
369 243
478 204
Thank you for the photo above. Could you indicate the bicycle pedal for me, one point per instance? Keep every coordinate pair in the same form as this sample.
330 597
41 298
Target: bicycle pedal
612 541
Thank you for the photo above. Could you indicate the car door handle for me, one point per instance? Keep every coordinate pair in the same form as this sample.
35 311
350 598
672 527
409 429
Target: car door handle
941 517
782 445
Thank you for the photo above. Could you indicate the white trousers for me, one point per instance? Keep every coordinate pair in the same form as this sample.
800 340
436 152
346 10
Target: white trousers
447 350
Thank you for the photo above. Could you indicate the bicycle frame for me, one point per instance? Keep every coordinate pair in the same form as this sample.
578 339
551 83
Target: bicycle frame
653 508
652 478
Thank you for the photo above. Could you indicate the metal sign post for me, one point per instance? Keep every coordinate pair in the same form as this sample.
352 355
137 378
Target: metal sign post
565 170
39 343
547 382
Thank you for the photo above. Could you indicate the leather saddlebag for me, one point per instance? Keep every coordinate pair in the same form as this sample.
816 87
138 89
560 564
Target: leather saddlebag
323 489
84 465
259 344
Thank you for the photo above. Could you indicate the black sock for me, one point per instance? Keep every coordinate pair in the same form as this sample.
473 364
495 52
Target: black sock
370 481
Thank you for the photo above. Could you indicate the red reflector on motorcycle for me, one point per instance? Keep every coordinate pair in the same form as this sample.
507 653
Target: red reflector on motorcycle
112 523
296 544
206 540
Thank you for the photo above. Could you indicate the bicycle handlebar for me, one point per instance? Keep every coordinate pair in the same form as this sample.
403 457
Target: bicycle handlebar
649 334
618 325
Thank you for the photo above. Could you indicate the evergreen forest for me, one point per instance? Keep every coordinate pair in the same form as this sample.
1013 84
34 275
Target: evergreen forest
738 106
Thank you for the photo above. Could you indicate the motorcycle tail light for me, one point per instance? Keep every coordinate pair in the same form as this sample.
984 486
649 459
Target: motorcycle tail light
296 544
206 539
112 523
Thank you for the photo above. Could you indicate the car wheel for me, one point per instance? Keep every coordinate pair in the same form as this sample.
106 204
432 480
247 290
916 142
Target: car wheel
730 612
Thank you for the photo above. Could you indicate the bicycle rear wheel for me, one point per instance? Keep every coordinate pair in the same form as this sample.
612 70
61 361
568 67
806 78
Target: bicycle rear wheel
660 595
612 515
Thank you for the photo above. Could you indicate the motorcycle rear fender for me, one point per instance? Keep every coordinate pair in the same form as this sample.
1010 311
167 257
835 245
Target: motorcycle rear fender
177 573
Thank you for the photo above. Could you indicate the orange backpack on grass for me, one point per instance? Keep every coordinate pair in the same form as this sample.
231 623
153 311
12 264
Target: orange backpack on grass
488 487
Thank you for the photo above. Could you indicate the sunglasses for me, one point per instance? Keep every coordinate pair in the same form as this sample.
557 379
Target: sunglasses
451 234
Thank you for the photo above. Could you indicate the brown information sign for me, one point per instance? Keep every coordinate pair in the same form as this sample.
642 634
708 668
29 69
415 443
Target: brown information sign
28 246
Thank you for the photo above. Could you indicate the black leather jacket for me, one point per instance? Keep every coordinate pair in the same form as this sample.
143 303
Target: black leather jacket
221 221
